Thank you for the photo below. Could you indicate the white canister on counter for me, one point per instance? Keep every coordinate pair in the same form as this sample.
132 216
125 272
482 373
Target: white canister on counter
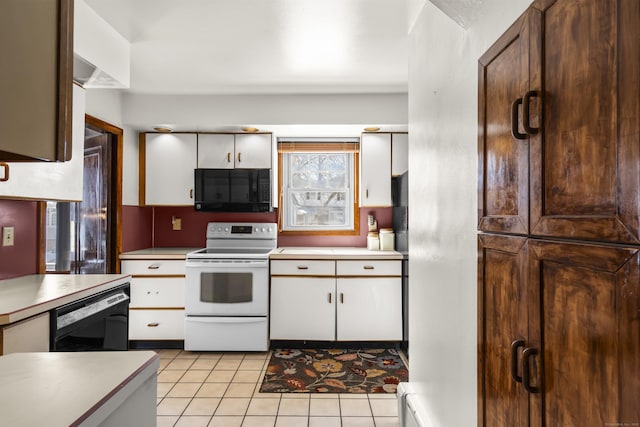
387 239
373 242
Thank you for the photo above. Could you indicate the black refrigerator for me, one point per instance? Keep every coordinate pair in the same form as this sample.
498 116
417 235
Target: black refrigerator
400 198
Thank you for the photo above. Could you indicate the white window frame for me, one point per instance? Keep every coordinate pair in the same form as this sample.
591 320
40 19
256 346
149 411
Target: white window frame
287 206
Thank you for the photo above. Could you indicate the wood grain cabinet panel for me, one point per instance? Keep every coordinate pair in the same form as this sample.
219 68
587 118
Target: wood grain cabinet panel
502 302
559 132
558 185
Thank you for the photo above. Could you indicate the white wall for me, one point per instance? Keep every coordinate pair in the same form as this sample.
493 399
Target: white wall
443 206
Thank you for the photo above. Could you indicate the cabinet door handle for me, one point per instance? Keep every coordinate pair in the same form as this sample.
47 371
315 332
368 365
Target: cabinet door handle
229 157
514 360
153 324
526 381
154 267
514 120
369 267
303 267
366 192
191 193
239 157
5 175
329 297
526 109
341 298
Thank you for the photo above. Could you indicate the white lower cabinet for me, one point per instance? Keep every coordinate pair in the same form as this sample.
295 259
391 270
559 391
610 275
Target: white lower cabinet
303 308
156 324
361 302
156 310
25 336
369 309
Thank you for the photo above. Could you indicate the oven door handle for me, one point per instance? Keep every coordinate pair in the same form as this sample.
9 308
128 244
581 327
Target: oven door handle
211 319
214 264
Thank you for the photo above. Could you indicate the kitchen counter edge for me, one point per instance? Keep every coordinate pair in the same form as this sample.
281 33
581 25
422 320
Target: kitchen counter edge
157 253
61 289
333 253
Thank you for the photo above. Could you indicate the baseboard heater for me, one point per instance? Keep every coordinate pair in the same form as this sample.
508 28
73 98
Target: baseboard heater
410 411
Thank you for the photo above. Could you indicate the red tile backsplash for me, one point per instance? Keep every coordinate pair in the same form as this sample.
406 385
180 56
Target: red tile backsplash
21 258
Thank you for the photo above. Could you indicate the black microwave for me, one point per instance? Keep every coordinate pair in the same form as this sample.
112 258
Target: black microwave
233 190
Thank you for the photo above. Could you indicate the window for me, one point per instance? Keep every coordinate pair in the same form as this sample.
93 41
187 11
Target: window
318 184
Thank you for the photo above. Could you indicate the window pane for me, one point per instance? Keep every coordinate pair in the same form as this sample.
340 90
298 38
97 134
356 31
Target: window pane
318 193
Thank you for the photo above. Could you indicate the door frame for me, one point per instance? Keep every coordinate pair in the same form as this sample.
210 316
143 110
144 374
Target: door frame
115 215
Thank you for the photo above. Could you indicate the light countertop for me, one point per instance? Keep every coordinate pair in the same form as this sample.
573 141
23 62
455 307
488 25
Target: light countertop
333 253
64 389
26 296
158 253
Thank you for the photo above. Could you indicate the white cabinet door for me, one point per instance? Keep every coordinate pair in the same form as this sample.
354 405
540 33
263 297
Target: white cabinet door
303 308
375 169
399 153
216 151
253 151
28 335
170 159
369 309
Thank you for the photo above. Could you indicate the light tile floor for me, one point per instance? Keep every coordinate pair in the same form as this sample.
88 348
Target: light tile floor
222 390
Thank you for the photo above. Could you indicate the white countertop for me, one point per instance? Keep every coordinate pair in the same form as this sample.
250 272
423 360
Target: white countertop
27 296
332 253
63 389
158 253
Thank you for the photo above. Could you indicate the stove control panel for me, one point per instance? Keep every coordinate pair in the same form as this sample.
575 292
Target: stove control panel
242 230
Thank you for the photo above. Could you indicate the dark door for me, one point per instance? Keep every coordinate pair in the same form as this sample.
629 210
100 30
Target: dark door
502 331
503 160
584 310
586 160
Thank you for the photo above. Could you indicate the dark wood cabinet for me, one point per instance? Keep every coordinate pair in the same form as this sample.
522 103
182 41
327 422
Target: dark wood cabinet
559 218
559 126
559 333
36 77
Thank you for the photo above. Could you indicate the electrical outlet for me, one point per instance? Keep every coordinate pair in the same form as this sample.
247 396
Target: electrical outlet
177 224
7 236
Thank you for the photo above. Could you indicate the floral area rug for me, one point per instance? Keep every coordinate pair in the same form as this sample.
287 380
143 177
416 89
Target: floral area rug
334 371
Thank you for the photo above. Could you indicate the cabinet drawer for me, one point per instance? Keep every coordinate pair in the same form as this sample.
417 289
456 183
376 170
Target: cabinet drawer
151 267
303 268
369 268
157 292
156 324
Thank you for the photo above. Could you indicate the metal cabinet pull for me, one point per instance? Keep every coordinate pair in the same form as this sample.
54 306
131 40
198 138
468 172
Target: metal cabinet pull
526 357
191 193
239 157
5 175
153 325
526 118
303 267
229 157
514 120
154 267
367 193
368 267
514 360
329 297
341 298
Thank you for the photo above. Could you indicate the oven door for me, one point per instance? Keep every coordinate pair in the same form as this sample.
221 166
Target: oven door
227 287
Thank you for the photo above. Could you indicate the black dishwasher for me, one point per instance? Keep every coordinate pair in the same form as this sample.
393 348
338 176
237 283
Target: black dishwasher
95 323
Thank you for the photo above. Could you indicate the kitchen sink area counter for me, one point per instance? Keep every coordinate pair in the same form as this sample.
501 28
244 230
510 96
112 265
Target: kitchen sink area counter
343 293
334 253
26 296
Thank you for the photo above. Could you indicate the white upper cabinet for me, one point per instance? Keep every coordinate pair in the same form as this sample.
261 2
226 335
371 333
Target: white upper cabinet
216 150
240 151
253 151
399 153
169 161
375 169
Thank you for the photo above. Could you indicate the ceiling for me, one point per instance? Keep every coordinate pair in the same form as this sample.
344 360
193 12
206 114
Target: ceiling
263 46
